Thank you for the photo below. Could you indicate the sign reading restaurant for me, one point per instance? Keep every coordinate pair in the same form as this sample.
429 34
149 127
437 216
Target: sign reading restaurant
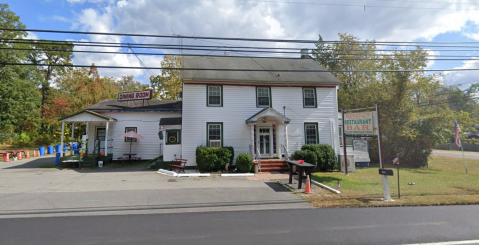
137 95
358 123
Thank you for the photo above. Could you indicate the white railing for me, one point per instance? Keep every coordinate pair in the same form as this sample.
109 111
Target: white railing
258 159
285 152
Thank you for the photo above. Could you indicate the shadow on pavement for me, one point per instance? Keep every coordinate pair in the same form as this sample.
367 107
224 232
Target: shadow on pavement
277 187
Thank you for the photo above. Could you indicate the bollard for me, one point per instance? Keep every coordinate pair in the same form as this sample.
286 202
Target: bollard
27 155
7 158
19 155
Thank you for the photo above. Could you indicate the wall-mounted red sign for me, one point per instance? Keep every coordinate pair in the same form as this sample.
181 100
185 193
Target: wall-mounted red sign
137 95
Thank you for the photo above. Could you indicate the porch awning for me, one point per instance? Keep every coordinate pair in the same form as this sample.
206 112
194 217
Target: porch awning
267 112
170 121
87 116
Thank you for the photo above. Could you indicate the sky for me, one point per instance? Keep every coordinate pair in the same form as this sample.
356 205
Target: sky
381 20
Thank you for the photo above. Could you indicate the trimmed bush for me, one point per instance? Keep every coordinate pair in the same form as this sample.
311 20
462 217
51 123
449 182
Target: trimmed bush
213 159
307 156
321 155
244 162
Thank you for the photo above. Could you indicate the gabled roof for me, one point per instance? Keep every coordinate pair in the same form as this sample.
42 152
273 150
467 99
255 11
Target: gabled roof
267 112
86 116
150 105
291 71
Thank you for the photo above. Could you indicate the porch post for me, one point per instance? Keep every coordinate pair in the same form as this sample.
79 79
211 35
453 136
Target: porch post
61 140
106 138
252 141
71 139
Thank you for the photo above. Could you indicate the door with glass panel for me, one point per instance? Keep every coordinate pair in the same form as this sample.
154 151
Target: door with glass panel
265 141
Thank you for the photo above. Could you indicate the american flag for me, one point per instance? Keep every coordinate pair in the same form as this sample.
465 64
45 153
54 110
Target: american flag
337 186
395 160
457 131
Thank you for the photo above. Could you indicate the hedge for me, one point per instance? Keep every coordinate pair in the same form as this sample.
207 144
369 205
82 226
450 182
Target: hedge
213 159
321 155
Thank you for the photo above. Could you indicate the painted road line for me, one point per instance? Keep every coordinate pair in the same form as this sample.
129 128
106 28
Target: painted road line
447 243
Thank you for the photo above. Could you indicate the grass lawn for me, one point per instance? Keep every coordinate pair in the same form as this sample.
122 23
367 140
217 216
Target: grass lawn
444 182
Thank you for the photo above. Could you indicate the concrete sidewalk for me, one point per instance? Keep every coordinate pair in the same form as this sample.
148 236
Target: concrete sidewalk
29 191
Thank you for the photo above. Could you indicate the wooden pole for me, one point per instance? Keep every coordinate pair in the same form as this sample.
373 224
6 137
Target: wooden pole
344 147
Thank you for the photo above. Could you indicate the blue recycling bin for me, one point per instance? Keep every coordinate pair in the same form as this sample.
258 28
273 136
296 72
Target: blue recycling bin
65 148
41 150
57 159
58 148
76 151
50 150
75 145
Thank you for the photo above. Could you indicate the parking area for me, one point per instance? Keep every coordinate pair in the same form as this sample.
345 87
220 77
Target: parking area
28 190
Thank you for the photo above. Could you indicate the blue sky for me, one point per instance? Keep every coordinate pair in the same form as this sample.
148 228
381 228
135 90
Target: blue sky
391 20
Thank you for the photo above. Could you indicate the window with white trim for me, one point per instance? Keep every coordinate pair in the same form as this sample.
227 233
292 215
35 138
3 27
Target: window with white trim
309 97
215 96
263 96
215 134
311 135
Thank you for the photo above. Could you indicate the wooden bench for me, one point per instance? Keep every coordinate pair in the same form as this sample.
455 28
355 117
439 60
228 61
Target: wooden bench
179 165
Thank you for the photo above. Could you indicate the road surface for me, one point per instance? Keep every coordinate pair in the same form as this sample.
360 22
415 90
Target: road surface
398 225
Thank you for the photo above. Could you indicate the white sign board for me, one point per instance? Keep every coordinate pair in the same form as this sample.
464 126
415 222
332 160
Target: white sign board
360 145
137 95
358 123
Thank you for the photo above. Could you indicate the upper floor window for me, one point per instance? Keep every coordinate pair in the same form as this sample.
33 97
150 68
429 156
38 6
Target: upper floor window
215 95
309 97
263 96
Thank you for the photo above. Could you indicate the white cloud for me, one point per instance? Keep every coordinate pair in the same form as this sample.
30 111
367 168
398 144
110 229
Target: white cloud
255 19
464 77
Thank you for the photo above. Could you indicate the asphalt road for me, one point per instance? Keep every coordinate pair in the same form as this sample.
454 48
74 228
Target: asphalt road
456 154
398 225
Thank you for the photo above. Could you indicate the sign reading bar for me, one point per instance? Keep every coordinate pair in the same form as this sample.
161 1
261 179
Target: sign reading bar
358 123
137 95
384 171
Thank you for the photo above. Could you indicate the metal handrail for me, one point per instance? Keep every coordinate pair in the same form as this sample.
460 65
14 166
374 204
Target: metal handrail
258 159
286 153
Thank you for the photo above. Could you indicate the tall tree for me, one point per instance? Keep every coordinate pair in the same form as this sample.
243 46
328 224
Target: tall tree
168 86
414 118
51 58
19 104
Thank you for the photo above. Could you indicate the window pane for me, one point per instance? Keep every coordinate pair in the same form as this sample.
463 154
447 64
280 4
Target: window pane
311 134
263 96
214 132
214 95
309 98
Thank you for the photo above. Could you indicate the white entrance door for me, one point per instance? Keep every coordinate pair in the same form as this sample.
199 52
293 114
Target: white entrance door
100 136
265 141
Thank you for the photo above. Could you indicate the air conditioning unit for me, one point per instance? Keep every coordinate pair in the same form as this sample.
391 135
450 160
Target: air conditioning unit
215 143
351 164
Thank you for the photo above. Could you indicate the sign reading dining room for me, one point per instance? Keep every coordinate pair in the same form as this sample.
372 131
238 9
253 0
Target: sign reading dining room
137 95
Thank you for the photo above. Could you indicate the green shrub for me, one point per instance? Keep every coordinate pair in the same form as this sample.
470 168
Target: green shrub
321 155
244 162
213 159
232 151
306 155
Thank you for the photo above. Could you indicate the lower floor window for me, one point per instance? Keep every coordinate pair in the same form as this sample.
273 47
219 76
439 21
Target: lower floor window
215 134
173 136
311 133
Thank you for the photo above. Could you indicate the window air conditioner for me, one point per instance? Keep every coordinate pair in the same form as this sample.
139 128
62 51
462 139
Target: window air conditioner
215 143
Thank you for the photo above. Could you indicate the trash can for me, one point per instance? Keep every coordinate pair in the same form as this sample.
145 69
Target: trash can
50 150
58 148
41 150
75 145
76 151
57 159
65 148
100 164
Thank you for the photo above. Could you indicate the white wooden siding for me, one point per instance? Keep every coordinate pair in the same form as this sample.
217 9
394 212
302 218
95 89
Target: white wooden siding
147 124
239 103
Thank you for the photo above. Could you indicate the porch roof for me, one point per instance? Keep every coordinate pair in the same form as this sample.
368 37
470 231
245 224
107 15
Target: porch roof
267 112
87 116
170 121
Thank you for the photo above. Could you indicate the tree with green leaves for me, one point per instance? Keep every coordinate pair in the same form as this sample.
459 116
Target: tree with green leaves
414 117
18 95
168 86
